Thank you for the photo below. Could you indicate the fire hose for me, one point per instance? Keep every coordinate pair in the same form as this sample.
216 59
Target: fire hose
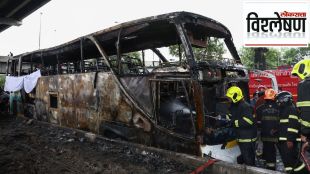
217 118
202 167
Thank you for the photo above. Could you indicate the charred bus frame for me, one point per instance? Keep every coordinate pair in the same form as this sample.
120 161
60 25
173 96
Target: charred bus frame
91 83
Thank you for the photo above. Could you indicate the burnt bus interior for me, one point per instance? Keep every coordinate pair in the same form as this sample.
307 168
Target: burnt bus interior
165 92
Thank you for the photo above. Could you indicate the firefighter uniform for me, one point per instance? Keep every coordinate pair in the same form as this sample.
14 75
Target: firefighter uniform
244 125
269 114
289 134
302 70
304 105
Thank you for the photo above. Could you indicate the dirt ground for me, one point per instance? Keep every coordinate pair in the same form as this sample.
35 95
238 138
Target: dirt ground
28 146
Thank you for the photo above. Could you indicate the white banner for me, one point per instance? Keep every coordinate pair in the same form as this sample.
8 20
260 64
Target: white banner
276 24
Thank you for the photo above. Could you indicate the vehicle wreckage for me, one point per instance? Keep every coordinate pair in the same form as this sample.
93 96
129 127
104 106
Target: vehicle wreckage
94 83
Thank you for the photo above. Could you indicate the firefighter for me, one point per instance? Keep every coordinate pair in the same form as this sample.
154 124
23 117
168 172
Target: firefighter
269 114
244 125
289 133
254 99
302 70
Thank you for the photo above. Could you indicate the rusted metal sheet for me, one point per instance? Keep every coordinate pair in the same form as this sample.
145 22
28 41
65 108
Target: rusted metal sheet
79 104
142 93
198 106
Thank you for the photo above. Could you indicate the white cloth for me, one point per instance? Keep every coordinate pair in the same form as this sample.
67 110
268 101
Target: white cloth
13 84
27 82
30 81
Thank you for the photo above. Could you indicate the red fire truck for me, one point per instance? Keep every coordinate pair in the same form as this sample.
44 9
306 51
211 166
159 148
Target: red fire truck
279 79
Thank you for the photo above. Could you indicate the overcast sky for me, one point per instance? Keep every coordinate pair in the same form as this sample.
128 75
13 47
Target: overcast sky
65 20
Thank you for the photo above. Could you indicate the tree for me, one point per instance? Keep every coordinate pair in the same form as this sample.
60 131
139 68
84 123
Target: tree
271 56
293 55
304 51
135 54
289 56
2 81
214 50
247 56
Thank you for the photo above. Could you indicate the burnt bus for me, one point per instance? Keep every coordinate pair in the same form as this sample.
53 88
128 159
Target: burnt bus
104 82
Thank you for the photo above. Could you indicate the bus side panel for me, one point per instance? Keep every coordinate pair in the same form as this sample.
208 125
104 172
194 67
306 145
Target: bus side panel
82 101
95 102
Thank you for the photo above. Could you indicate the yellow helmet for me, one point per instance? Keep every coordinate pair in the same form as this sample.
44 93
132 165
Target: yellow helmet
302 69
234 93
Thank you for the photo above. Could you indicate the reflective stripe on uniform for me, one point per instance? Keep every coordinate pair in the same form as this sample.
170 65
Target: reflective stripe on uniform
292 130
293 117
300 167
270 118
298 139
269 139
227 117
282 138
288 168
303 104
246 140
305 123
248 120
236 123
270 164
284 121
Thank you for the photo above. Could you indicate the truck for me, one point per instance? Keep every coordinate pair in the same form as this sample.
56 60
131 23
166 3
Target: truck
283 78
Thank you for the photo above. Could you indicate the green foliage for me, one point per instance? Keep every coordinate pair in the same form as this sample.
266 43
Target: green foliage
214 50
272 58
134 54
304 51
174 50
289 56
247 56
293 55
2 81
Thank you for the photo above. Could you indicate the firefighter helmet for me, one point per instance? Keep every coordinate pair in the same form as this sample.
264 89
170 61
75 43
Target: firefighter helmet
234 93
302 69
270 94
284 97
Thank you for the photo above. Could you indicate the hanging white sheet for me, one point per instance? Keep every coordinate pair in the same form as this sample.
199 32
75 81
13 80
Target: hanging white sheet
13 84
30 81
27 82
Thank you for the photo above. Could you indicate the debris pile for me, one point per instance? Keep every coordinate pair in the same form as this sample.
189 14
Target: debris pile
29 146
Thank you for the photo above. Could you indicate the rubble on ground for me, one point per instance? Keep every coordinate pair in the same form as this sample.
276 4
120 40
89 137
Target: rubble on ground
29 146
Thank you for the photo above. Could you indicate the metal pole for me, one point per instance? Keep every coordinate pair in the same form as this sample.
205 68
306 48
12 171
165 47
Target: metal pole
82 56
40 31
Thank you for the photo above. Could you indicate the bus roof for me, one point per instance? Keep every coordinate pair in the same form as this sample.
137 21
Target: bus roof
145 33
